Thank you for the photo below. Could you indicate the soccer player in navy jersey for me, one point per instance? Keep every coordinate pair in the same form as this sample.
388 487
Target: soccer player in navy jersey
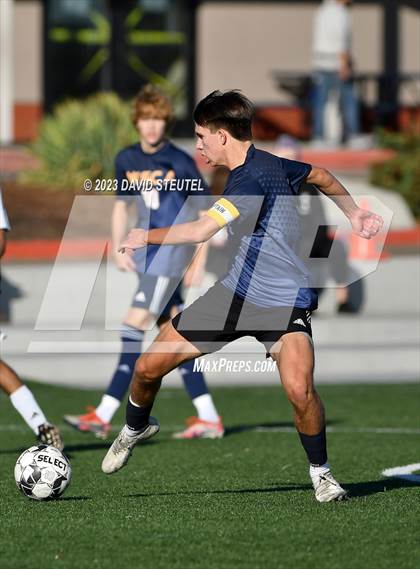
265 292
163 182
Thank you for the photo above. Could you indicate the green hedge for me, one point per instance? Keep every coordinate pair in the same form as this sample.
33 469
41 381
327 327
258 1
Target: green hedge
401 173
80 140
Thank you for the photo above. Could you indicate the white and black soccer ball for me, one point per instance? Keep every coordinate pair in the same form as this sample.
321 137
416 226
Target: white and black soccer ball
42 472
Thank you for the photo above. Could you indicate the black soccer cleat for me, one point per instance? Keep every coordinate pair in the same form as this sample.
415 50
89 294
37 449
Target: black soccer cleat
50 435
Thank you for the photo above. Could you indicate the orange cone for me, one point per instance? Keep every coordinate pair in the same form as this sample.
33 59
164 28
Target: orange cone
365 249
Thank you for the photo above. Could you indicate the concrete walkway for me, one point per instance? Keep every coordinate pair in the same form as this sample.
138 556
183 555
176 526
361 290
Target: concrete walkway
73 338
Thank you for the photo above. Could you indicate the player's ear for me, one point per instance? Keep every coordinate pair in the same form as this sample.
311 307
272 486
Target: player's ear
222 136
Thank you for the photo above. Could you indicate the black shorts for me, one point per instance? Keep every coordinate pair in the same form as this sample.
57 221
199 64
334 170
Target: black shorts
220 316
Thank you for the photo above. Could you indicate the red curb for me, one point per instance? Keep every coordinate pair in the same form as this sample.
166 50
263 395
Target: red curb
85 249
47 250
404 237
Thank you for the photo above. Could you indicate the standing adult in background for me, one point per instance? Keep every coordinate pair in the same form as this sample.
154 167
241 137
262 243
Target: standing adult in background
333 69
19 394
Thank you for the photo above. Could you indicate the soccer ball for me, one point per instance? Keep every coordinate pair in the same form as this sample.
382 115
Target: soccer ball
42 472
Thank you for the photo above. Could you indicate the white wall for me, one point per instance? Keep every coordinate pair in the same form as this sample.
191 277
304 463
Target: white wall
28 51
238 45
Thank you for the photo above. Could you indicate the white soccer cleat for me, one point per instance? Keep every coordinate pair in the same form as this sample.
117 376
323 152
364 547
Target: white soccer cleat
327 489
121 449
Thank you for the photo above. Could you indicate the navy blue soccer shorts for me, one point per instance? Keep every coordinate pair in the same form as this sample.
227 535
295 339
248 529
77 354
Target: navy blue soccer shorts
158 294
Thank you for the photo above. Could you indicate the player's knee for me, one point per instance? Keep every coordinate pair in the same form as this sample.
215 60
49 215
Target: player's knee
300 395
145 371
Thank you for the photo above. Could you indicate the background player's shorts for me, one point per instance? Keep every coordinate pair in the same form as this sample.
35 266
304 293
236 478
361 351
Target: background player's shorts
220 316
158 294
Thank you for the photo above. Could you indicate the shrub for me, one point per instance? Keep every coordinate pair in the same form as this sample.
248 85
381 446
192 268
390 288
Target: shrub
402 172
80 140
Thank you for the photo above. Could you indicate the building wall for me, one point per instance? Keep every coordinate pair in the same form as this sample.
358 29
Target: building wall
410 40
28 71
240 44
28 51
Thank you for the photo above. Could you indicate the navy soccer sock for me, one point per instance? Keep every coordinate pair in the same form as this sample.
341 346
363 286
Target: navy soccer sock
131 349
193 380
315 447
137 416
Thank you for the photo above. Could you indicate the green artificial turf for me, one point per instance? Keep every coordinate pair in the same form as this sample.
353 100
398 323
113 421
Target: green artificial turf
241 502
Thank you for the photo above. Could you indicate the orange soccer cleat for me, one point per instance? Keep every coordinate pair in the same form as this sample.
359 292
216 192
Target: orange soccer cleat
199 429
89 423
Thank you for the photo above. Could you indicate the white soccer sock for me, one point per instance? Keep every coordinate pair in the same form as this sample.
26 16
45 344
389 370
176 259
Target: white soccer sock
25 404
129 432
206 410
315 471
107 408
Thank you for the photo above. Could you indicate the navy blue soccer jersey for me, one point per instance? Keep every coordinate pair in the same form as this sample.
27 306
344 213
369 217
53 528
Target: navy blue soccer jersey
167 189
260 205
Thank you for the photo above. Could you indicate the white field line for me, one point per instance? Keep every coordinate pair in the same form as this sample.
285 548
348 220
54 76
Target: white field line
404 472
375 430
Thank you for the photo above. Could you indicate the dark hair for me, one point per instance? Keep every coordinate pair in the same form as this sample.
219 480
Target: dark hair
230 110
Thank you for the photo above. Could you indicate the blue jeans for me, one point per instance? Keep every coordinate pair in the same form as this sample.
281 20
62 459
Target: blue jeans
325 82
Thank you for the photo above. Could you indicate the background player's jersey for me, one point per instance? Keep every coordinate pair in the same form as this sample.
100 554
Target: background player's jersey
4 220
161 207
266 269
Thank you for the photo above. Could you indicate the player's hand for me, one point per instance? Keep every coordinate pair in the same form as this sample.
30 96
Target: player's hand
124 263
136 239
344 72
365 223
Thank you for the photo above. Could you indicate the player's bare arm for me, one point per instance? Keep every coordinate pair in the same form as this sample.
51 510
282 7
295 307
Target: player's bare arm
119 223
197 231
364 223
195 273
2 242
